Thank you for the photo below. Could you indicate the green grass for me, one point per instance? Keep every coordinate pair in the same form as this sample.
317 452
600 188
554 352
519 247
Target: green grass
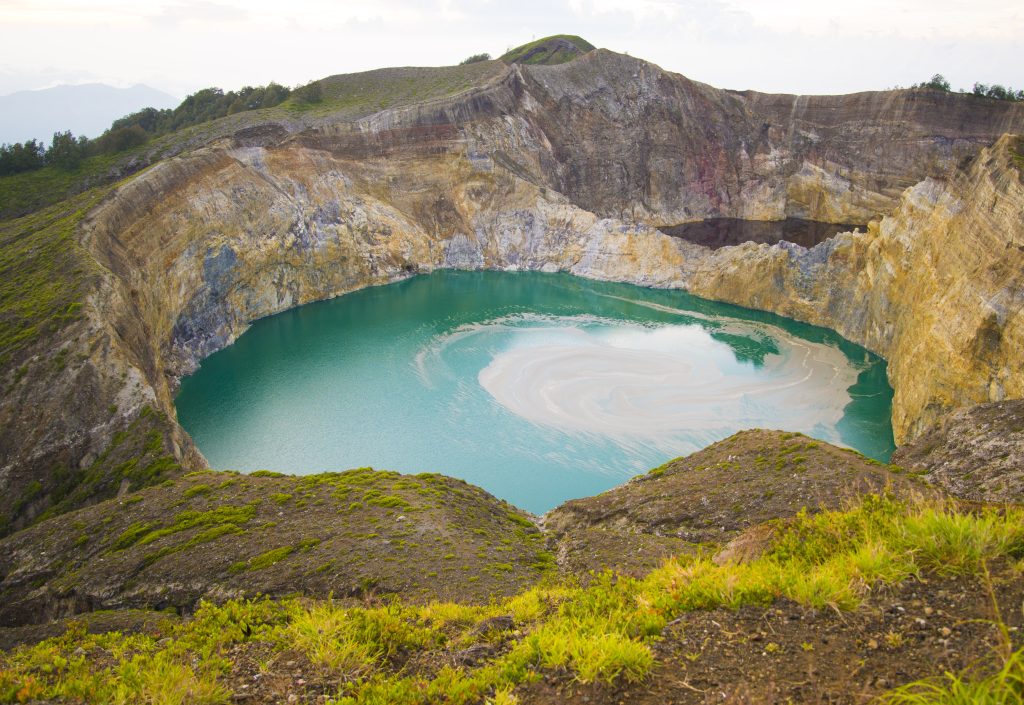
274 555
196 490
263 560
130 536
143 534
33 190
601 632
44 274
389 501
1004 687
529 54
205 536
1017 154
660 470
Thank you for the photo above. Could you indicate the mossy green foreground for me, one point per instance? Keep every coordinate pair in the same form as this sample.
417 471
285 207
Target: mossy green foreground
602 631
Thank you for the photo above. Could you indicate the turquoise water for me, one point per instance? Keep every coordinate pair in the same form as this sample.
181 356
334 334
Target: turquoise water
537 387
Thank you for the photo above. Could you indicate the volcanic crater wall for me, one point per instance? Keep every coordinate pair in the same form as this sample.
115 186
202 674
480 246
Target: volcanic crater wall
567 168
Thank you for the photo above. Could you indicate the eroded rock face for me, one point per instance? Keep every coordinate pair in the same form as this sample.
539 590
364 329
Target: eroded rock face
559 168
937 288
976 452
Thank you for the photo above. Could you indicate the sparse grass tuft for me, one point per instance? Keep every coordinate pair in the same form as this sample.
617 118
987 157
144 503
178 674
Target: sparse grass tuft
196 490
1004 687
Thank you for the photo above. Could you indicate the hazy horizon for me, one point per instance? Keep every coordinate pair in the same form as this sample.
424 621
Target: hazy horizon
792 46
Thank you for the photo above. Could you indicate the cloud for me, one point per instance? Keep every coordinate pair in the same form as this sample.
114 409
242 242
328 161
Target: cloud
787 45
198 13
927 19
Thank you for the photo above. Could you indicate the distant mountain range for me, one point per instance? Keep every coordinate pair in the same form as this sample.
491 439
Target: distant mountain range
86 109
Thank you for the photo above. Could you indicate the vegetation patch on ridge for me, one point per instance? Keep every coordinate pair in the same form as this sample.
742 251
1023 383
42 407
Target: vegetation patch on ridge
556 49
43 274
136 454
1017 154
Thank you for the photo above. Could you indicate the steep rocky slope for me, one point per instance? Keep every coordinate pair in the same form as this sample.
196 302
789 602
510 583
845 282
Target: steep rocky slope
937 288
562 167
976 452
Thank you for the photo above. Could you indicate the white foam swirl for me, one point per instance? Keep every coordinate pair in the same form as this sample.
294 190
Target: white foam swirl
632 381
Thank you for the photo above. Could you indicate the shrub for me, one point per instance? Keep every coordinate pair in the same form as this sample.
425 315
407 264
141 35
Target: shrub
997 91
119 139
937 82
475 58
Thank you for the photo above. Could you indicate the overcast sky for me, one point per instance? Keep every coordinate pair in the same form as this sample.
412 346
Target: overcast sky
797 46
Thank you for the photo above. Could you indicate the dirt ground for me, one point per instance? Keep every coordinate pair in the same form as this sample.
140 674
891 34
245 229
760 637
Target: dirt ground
789 653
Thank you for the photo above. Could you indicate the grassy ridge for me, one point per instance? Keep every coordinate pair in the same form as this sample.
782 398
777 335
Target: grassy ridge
356 532
549 50
30 191
602 632
355 95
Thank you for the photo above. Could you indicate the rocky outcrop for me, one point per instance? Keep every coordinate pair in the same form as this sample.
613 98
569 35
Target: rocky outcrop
632 141
553 168
937 288
976 452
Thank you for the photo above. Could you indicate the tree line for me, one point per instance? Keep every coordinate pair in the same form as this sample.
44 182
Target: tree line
938 82
66 151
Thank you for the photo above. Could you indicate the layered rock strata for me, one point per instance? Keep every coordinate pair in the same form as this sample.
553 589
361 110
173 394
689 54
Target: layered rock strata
937 288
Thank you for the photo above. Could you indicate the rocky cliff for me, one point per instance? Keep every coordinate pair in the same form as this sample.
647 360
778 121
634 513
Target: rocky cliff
563 167
975 452
935 288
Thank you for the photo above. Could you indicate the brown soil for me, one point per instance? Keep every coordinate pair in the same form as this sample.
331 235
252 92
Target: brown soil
789 653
